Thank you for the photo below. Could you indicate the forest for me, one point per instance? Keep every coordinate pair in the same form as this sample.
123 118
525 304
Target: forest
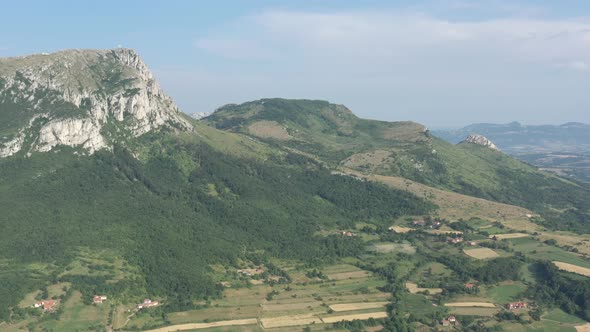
173 223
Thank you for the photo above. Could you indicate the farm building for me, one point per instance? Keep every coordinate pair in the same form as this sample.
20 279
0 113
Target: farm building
98 299
346 233
147 303
471 243
251 272
419 223
456 240
451 320
47 305
516 305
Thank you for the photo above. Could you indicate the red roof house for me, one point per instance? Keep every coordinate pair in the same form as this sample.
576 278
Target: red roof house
46 304
98 299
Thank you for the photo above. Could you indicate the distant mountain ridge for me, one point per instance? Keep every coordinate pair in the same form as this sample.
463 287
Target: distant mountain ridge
515 137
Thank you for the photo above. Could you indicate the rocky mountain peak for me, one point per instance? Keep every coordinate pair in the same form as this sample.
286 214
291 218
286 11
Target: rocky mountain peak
68 98
481 140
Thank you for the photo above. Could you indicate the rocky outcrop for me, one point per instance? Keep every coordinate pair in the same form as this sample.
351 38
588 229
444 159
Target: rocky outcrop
200 115
78 93
481 140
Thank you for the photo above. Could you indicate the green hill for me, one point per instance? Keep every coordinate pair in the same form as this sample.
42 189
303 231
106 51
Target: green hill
335 135
170 202
106 188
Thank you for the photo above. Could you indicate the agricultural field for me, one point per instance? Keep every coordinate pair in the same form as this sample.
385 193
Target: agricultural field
350 288
347 292
471 304
505 291
481 253
572 268
541 250
508 235
413 288
386 248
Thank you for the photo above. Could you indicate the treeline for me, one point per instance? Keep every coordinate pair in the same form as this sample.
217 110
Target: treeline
490 271
569 292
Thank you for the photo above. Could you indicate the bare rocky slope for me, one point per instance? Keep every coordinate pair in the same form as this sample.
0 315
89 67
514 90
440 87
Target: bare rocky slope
79 98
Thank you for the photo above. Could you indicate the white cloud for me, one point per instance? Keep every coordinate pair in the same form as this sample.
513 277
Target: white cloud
372 35
409 64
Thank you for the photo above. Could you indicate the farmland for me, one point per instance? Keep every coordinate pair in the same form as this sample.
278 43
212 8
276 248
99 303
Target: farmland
573 268
357 287
481 253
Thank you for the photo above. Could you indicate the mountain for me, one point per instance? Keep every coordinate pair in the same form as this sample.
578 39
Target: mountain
333 134
99 165
79 98
563 150
515 137
106 188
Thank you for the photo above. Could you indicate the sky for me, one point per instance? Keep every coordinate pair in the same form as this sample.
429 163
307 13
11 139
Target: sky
441 63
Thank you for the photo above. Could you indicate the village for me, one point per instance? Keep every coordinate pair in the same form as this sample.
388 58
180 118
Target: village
281 295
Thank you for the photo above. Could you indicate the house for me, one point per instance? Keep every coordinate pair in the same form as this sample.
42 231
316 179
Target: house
469 286
98 299
436 224
419 223
471 243
516 305
47 305
451 320
346 233
456 240
147 303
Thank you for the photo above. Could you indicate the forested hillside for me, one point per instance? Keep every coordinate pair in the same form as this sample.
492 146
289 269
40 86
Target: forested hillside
335 135
184 207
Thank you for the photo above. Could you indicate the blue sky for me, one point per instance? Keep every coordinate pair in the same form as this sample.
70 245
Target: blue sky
441 63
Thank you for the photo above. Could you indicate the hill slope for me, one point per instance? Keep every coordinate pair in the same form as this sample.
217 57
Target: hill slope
169 197
334 134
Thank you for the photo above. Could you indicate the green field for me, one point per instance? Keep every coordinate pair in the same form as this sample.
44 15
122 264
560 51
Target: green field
505 293
538 250
560 316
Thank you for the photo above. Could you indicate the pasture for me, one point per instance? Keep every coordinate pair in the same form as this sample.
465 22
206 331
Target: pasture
481 253
413 288
470 304
572 268
347 290
508 236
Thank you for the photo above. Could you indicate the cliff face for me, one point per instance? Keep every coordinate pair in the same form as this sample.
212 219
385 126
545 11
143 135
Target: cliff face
481 140
80 98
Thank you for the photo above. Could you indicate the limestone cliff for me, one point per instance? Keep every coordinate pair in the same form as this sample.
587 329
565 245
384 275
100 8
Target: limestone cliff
80 98
480 140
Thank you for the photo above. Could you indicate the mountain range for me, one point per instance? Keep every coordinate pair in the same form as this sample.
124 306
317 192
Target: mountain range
517 138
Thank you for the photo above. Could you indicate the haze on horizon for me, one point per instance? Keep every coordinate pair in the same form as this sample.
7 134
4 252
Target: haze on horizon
441 63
